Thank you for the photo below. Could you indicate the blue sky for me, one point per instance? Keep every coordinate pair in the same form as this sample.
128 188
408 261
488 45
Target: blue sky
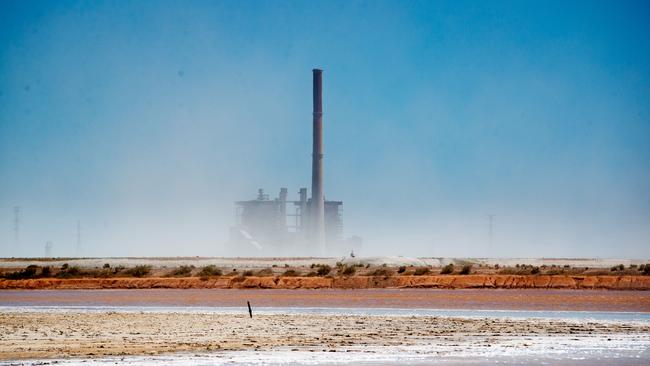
144 120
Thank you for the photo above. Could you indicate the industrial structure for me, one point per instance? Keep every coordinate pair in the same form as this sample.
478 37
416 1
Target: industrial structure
307 226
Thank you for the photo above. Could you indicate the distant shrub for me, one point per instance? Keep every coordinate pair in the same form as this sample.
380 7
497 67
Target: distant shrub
182 271
421 271
646 269
466 269
633 266
106 265
138 271
618 267
210 270
46 271
381 272
29 272
323 270
266 272
247 273
448 269
64 266
535 270
311 274
347 270
69 272
291 273
401 269
286 265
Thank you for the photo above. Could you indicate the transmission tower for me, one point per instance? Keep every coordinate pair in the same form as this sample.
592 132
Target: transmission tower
17 219
78 244
490 231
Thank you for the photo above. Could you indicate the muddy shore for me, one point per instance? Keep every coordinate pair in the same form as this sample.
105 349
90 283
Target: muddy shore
32 335
639 283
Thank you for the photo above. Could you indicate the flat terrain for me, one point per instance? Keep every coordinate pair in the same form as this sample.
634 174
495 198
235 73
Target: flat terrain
34 335
586 300
280 262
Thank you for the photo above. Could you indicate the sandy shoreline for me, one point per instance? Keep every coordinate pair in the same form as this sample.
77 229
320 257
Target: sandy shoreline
36 335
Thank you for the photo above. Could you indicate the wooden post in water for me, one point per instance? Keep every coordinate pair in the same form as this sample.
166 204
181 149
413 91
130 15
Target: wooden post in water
250 311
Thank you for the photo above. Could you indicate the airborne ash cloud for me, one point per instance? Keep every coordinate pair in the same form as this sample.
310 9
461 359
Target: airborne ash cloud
145 121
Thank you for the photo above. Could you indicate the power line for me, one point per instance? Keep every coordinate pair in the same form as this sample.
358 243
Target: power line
48 249
17 219
78 244
490 231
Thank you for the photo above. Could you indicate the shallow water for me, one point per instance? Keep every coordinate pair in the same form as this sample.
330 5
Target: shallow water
475 299
599 316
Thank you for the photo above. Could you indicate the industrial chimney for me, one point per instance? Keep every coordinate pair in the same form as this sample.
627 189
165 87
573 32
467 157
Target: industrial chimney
317 209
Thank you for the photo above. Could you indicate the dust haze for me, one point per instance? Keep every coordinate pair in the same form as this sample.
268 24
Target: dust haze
145 124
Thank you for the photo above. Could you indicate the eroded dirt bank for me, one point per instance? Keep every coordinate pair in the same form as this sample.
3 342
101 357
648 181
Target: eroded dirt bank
355 282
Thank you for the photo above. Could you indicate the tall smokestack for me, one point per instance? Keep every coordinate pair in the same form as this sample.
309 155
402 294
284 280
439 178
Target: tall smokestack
317 214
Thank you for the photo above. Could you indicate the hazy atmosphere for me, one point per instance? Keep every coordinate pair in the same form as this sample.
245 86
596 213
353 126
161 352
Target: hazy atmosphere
131 127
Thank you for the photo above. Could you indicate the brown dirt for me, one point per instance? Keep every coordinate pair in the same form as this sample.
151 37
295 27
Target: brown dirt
354 282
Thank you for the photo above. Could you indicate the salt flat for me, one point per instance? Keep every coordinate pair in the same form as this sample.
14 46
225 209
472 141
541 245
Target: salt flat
26 335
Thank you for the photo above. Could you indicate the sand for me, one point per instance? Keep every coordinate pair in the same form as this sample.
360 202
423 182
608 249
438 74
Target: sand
37 335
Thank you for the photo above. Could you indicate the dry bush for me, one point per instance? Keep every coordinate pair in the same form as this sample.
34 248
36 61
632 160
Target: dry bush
291 273
323 270
210 270
448 269
466 269
266 272
421 271
182 271
347 270
29 272
382 272
138 271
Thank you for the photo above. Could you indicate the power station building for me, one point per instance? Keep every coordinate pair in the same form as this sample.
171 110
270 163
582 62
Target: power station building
307 226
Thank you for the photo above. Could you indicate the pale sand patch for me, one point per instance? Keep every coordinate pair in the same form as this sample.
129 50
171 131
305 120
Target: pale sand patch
34 335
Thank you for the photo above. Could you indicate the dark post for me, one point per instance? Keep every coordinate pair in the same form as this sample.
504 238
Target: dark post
250 311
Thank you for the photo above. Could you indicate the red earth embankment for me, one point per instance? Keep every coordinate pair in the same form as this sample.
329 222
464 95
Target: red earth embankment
354 282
